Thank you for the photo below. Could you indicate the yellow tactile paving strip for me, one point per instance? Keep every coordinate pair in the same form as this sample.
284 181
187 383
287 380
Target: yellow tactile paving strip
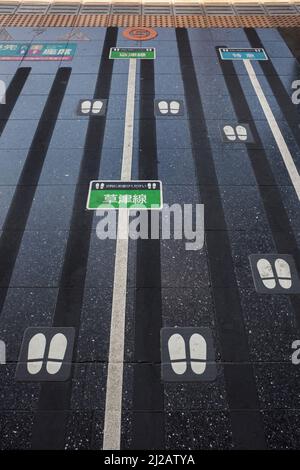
171 21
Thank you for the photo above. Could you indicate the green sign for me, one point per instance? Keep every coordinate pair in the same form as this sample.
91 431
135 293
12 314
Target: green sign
38 51
140 195
132 53
13 51
233 53
51 51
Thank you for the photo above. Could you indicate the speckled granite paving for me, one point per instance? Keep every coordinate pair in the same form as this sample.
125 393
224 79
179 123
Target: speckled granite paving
54 271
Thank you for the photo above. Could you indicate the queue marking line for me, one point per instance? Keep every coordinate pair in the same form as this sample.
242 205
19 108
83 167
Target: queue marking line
277 134
114 384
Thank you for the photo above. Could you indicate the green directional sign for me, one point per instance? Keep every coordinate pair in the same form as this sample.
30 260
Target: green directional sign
140 195
234 53
37 51
132 53
13 50
52 51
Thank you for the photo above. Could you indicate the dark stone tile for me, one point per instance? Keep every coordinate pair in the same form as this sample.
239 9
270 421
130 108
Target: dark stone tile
101 263
89 386
21 34
211 430
172 134
114 134
181 268
233 167
52 208
228 34
29 107
243 244
167 84
291 203
187 307
196 396
69 134
40 259
293 417
61 166
58 34
83 84
277 49
10 67
38 84
17 396
277 385
15 430
126 431
178 431
244 209
176 167
93 342
278 431
85 64
79 431
270 324
6 195
45 67
89 48
220 108
97 431
18 137
24 307
11 164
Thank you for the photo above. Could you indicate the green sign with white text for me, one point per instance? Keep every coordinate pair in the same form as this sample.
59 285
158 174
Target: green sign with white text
37 51
13 51
132 53
139 195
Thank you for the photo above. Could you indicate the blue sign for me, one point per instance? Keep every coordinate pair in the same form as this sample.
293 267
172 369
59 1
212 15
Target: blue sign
227 53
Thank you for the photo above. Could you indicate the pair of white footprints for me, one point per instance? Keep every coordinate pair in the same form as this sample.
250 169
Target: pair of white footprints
240 133
165 108
178 357
36 353
94 107
283 273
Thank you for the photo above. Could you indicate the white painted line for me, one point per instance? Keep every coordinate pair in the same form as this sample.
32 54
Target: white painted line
114 385
283 148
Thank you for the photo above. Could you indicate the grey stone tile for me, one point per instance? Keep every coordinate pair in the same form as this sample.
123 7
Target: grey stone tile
51 208
24 307
11 164
29 107
277 385
40 259
6 195
15 430
271 326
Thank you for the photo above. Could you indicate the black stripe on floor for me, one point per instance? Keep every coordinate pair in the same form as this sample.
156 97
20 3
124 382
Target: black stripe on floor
19 209
291 36
288 109
148 398
241 390
12 93
55 397
278 219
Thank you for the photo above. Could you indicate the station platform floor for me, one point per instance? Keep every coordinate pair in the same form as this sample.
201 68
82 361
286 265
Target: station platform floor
234 147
